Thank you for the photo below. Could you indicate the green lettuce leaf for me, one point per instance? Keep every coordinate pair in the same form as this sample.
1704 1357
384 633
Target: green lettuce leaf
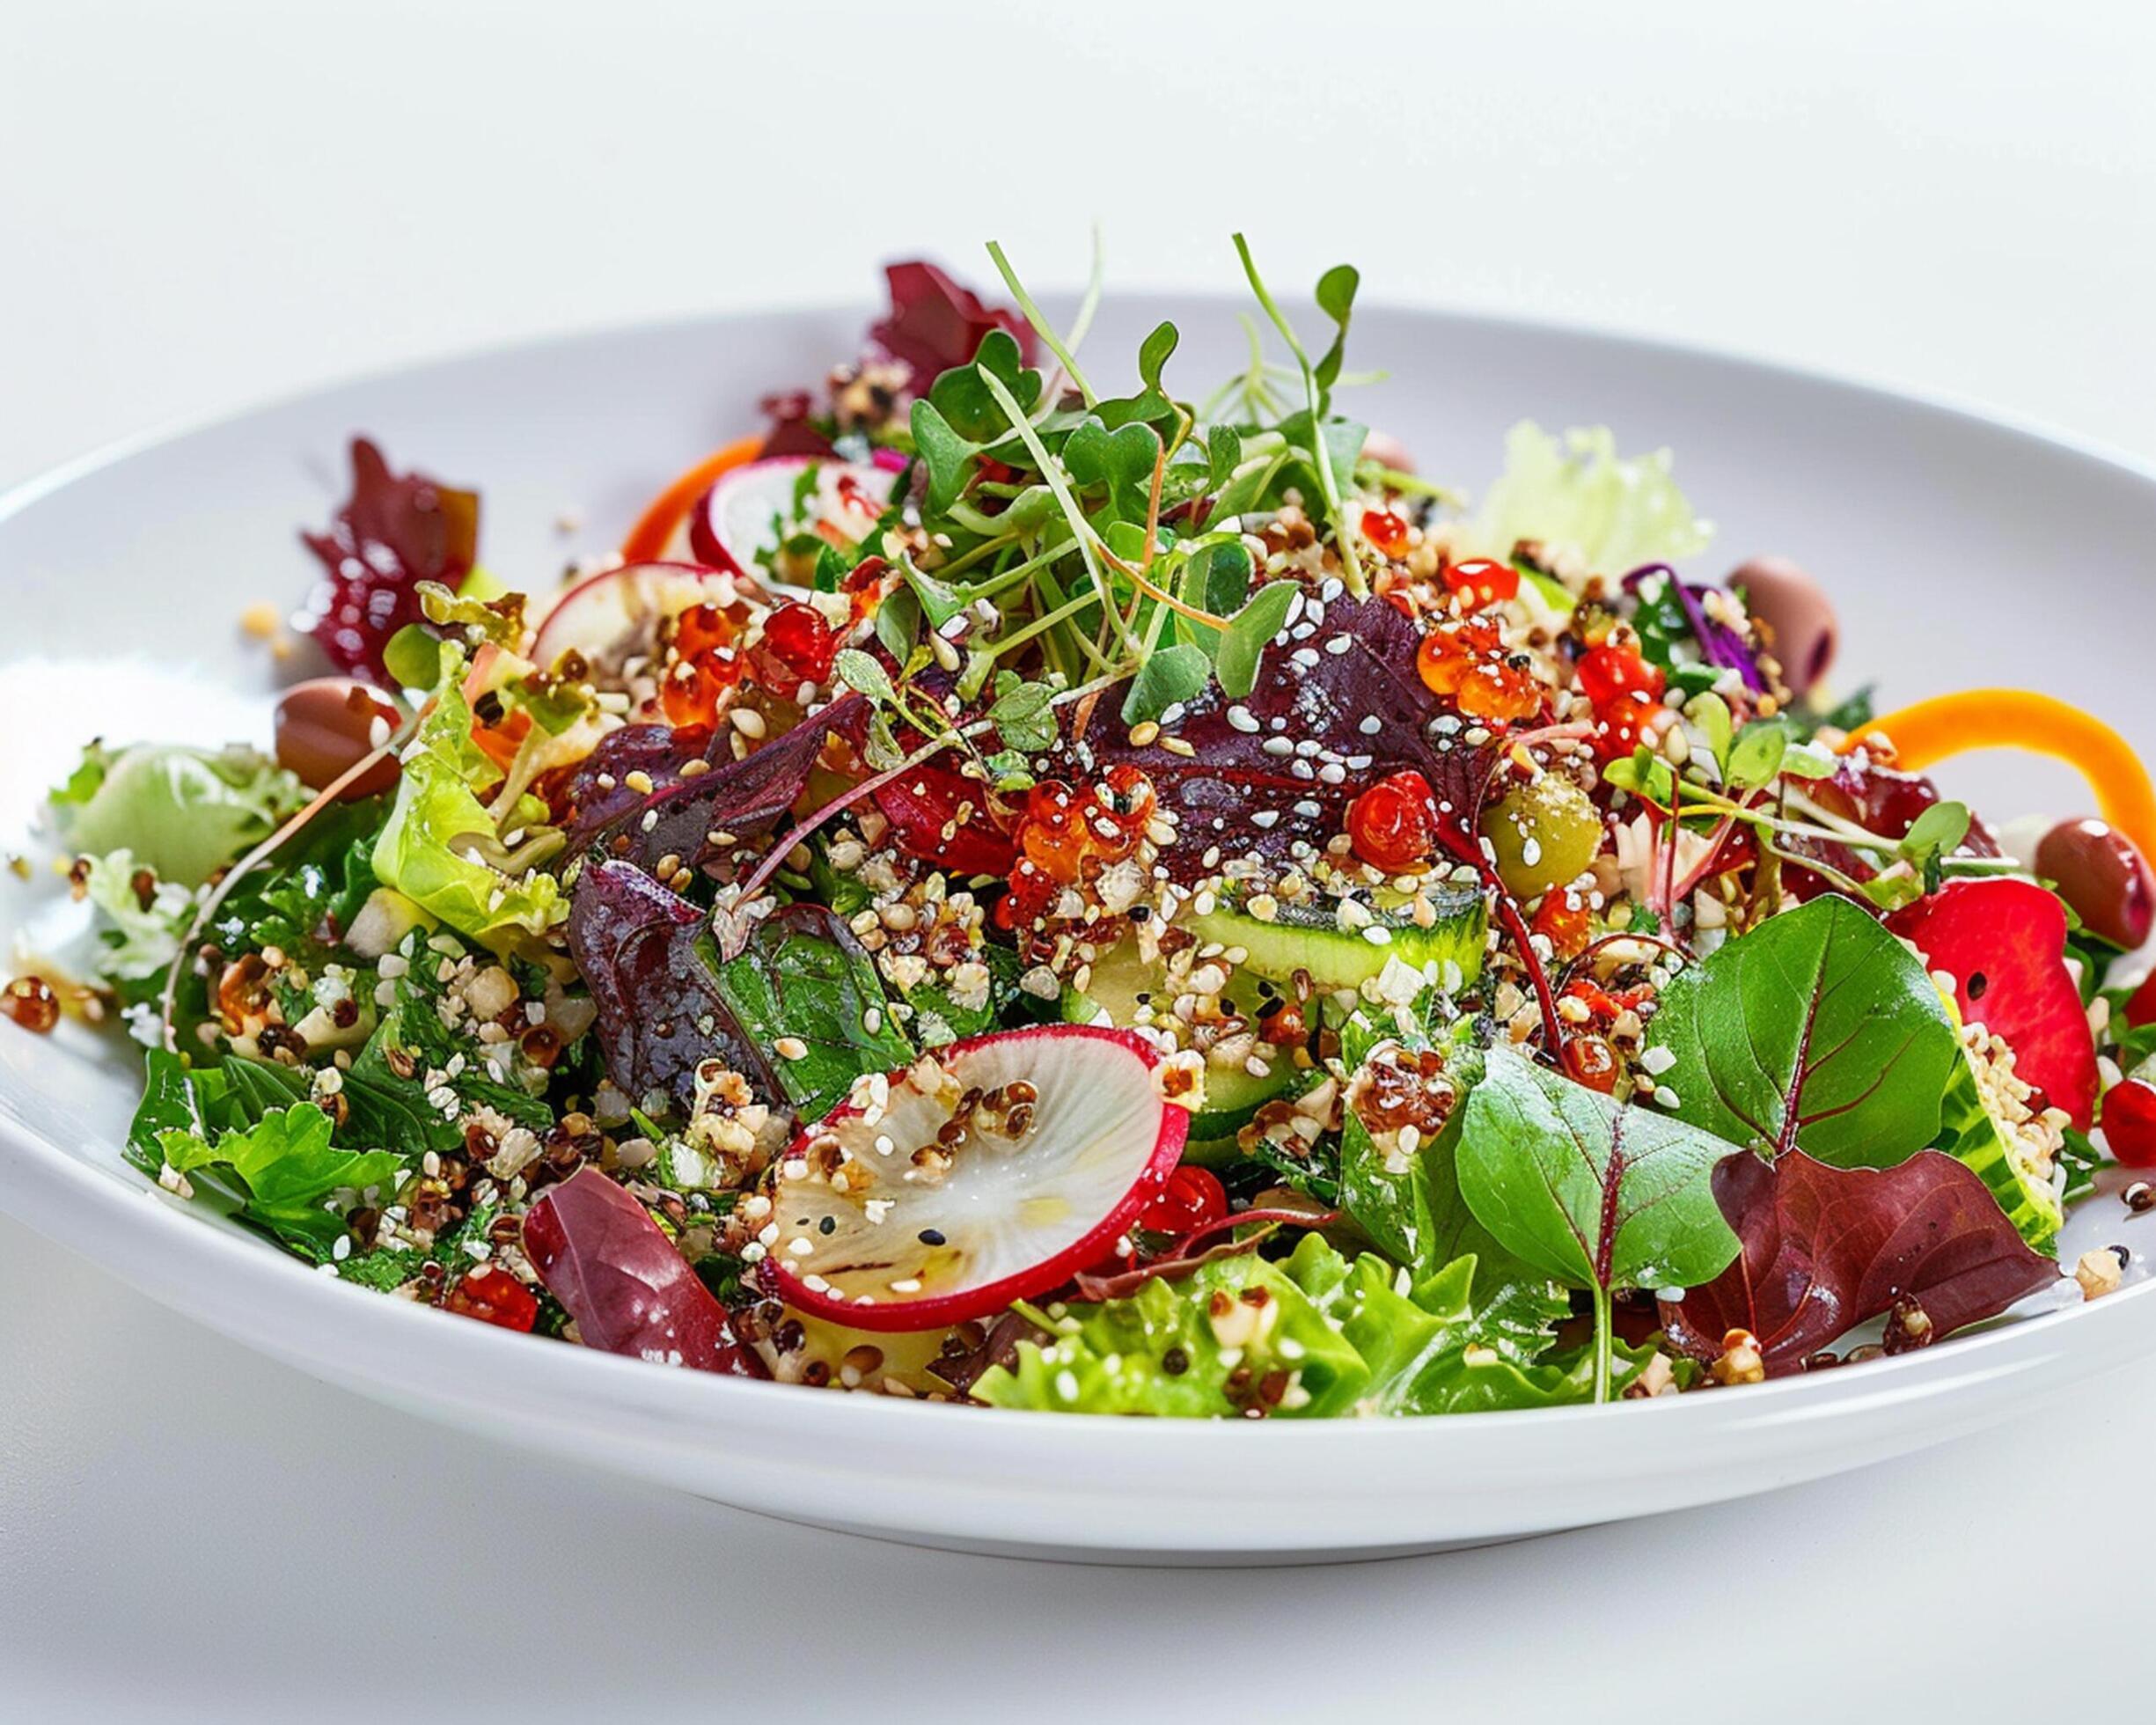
288 1169
140 941
1576 493
182 813
433 848
1351 1338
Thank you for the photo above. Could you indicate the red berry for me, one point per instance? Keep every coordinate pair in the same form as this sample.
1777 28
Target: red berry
1482 581
1392 825
2130 1122
493 1296
1192 1199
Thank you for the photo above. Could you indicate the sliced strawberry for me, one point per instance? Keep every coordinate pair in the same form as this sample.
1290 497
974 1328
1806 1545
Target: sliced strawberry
2004 941
993 1171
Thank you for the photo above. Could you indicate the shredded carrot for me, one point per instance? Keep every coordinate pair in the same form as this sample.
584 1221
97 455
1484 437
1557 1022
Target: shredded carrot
1951 724
654 530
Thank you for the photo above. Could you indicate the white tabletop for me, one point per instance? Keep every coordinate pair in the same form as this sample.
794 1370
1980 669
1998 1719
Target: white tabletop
207 204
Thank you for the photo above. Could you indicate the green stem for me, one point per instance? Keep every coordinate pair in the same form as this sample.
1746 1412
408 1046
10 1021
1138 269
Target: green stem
1343 529
1603 1344
1041 326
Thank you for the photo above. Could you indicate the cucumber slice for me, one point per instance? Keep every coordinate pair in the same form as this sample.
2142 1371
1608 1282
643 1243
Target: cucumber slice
1969 1133
1232 1093
1308 937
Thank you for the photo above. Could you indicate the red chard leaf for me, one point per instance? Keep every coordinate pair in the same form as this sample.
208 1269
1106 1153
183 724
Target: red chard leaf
2004 943
627 1285
746 799
936 323
397 531
1348 714
1825 1249
640 950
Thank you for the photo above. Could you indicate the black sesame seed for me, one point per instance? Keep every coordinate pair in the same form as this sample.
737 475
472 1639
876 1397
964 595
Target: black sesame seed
932 1236
1175 1363
828 1225
1977 984
1141 913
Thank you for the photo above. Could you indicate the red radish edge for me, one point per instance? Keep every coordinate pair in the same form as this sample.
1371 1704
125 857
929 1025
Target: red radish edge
705 540
565 601
942 1310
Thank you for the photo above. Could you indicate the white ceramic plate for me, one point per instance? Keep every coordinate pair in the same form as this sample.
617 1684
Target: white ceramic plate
1963 552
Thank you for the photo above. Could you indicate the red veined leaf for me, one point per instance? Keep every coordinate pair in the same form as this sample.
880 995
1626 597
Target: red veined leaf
745 799
936 323
1826 1248
640 951
1273 775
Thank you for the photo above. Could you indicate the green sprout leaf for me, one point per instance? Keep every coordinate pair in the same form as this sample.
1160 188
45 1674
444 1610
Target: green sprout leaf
859 671
1120 462
1153 353
1169 675
1248 632
1756 757
1024 718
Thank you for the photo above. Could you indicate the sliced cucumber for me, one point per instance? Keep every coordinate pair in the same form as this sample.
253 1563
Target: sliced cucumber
1309 937
1969 1133
1122 985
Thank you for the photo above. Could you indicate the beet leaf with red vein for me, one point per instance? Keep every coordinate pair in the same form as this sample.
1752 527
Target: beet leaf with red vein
1826 1248
397 531
627 1285
746 799
642 952
1361 710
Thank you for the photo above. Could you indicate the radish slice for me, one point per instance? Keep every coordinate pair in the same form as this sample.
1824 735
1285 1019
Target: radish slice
744 516
993 1171
615 616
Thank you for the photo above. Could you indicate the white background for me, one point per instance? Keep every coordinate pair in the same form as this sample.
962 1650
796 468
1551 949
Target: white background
203 204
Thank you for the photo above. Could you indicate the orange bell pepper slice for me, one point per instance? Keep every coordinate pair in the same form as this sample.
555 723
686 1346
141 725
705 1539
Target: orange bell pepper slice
1949 725
654 531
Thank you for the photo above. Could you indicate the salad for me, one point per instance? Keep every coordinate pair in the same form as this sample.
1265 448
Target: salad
1009 892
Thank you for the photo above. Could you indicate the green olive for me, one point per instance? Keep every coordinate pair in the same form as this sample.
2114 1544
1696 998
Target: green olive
1544 832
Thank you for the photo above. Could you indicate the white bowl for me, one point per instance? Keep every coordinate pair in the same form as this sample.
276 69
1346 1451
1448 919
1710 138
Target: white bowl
1963 552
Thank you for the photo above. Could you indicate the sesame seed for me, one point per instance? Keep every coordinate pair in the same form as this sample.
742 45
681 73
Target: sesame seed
791 1048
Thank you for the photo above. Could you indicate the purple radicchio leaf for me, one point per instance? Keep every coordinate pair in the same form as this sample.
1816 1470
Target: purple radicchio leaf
1719 643
1826 1248
1334 710
936 323
744 800
624 1283
641 951
397 531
